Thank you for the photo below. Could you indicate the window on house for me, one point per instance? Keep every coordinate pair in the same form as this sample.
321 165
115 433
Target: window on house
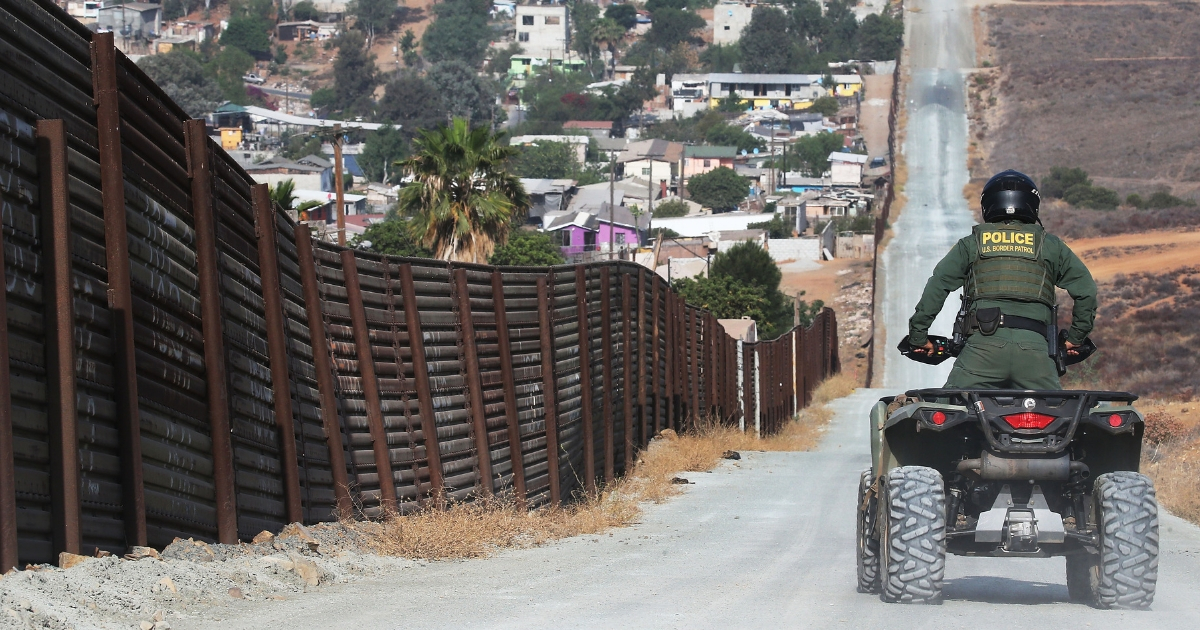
727 28
707 163
553 19
589 238
646 171
527 20
620 238
522 37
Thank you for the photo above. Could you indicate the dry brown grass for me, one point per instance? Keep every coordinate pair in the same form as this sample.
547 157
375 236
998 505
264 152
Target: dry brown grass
1171 457
482 527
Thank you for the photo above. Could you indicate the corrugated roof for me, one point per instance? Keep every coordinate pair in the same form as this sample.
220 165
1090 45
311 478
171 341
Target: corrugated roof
704 151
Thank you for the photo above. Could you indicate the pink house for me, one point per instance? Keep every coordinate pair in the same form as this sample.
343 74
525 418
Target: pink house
698 160
589 230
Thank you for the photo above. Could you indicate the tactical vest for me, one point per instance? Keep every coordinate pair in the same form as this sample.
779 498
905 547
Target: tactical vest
1009 265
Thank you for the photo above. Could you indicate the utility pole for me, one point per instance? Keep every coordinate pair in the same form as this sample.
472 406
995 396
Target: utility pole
338 184
612 180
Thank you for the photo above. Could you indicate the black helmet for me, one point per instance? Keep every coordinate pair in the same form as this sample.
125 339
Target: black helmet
1010 195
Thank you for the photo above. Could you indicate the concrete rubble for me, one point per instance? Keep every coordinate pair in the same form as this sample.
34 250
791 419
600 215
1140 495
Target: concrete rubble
147 589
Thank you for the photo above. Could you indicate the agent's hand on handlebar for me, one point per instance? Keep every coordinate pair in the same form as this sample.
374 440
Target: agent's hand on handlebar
1071 349
926 349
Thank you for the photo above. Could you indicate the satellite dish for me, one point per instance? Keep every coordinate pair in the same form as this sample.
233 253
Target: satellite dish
756 151
744 151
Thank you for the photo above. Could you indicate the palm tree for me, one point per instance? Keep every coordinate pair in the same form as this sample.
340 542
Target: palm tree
608 32
461 198
283 194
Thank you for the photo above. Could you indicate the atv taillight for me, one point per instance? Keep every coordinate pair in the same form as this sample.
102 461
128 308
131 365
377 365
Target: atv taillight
1029 420
938 418
1115 420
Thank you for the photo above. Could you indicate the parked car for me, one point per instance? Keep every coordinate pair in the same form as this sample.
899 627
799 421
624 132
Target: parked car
253 78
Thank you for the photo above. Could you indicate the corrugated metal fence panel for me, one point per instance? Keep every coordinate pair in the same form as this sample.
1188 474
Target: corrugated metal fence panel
521 306
316 476
567 371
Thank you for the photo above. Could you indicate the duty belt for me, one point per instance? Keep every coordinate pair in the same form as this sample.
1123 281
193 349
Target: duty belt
1020 323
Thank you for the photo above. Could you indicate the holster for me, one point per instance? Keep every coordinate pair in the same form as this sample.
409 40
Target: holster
987 320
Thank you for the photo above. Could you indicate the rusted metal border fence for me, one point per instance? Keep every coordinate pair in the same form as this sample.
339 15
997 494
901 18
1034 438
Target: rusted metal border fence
180 359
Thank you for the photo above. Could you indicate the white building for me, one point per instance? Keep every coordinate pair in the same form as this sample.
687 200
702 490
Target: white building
845 169
729 19
543 30
695 92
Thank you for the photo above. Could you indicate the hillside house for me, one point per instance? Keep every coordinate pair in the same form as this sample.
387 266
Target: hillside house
595 128
543 30
730 18
846 169
655 160
698 160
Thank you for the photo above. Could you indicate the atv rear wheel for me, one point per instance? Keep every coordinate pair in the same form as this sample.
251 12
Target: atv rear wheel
868 542
913 509
1126 572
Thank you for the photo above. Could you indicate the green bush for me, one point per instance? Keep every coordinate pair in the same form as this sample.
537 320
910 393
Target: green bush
669 209
527 248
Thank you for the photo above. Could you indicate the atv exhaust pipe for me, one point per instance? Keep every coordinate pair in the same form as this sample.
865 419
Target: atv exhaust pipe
1008 468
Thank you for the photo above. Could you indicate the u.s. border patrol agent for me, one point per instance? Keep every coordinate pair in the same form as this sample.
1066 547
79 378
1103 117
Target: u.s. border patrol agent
1008 268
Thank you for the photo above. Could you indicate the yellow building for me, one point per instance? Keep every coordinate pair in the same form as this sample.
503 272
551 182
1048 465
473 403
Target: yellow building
231 137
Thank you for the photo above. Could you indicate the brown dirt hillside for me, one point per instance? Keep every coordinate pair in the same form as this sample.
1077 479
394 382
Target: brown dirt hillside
1106 87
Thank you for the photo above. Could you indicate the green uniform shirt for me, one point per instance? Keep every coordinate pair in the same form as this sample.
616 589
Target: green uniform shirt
1067 270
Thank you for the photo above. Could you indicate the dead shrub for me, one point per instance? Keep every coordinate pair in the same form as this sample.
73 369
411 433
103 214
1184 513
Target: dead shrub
1162 429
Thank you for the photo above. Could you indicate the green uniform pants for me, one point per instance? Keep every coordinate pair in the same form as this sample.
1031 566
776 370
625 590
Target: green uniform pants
1008 359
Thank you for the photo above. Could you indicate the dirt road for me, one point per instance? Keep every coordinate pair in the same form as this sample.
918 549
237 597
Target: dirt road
766 543
1138 253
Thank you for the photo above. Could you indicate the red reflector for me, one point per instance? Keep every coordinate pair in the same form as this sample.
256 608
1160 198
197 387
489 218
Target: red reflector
1115 420
938 417
1029 420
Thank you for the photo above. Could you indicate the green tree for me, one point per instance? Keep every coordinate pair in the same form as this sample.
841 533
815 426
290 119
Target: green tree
283 194
880 37
623 14
412 102
1164 199
730 136
305 10
673 26
526 248
725 297
606 34
461 197
1094 197
748 263
372 16
583 16
731 104
382 149
501 60
181 76
1062 178
547 160
765 44
463 92
777 227
720 189
824 105
301 145
249 34
227 68
354 75
721 58
460 32
323 99
813 152
391 237
670 209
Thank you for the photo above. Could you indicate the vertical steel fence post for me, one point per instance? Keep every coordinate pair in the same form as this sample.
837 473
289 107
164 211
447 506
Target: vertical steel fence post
641 359
694 346
549 391
370 384
59 318
483 450
120 293
656 375
515 454
281 382
9 553
607 349
669 357
323 367
416 341
799 376
627 369
585 379
212 329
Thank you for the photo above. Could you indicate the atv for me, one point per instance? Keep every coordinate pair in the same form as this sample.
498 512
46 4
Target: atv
1008 473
